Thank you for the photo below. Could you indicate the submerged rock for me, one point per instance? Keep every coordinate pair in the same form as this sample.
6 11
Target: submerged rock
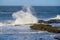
43 27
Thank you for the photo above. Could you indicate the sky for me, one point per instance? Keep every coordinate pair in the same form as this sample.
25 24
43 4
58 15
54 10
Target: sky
30 2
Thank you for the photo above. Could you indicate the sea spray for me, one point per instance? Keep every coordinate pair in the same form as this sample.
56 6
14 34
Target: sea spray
55 21
57 17
24 16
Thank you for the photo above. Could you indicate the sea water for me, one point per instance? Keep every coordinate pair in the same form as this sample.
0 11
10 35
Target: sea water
16 33
23 32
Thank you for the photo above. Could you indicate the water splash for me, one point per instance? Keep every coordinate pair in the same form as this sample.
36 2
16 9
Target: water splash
24 16
57 17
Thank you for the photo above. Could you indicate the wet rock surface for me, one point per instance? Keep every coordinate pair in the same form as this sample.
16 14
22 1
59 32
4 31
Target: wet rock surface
43 27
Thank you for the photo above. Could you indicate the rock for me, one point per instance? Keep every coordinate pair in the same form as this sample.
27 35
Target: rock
43 27
54 20
45 22
41 21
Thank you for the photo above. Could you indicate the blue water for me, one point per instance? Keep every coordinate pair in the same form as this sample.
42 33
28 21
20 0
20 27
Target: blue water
16 33
25 37
41 12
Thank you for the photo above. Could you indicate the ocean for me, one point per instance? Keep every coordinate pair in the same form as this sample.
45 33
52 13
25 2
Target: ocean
41 12
23 32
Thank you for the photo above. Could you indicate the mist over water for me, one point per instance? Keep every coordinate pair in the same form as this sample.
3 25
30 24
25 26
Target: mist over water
24 16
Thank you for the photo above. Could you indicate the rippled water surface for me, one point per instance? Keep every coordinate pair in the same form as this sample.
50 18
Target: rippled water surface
16 33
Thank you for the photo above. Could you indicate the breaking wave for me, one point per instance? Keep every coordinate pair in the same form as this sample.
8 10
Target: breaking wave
57 17
22 17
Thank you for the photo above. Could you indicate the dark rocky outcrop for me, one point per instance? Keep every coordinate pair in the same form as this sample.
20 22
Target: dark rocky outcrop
54 21
41 21
43 27
46 22
50 21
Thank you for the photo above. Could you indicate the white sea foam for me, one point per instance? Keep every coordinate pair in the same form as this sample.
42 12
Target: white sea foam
57 17
21 17
24 17
1 24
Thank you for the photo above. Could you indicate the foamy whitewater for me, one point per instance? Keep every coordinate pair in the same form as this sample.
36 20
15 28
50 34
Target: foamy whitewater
22 17
8 30
55 24
57 17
